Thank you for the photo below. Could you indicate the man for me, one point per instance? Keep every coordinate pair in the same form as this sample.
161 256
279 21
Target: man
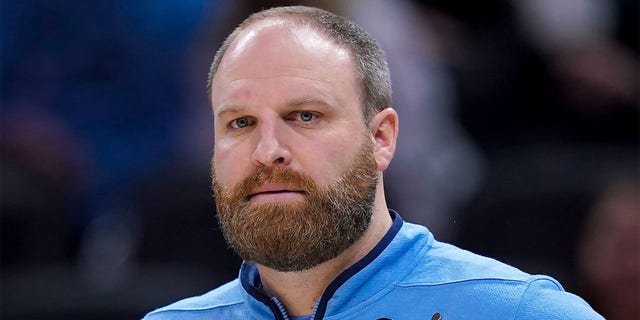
303 131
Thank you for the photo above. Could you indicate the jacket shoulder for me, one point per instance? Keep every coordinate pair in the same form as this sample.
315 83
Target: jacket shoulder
544 298
443 263
223 301
488 284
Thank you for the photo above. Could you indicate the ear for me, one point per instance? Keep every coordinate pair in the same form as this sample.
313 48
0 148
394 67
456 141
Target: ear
384 130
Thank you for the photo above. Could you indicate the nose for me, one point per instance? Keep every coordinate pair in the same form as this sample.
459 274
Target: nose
271 149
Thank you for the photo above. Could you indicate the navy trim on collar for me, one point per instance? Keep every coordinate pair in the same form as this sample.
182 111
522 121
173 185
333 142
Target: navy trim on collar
253 288
249 273
361 264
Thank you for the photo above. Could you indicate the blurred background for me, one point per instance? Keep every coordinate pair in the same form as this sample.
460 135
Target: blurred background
519 140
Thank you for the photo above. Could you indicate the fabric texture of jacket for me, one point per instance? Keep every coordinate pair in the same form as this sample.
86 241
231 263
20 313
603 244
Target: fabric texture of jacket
408 275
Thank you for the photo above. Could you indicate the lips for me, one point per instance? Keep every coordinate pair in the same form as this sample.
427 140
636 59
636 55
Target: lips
275 190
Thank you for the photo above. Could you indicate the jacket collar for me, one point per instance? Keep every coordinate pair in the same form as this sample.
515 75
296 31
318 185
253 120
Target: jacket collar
370 275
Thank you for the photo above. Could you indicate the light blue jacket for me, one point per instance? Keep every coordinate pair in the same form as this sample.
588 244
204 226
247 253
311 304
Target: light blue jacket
408 275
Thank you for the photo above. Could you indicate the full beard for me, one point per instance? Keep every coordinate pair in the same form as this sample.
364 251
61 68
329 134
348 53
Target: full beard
298 235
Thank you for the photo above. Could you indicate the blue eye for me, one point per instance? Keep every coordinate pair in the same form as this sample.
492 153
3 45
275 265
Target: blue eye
306 116
240 123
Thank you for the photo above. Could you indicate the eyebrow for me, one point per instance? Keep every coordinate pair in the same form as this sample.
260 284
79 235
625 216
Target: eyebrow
307 100
295 102
228 109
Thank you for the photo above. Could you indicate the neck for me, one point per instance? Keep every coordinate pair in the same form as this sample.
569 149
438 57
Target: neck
299 291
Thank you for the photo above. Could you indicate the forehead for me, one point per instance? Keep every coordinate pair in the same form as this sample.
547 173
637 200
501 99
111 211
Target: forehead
277 48
274 35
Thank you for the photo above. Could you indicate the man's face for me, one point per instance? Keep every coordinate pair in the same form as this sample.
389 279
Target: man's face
294 172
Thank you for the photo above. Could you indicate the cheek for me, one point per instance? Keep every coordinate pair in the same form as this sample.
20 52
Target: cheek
228 163
327 160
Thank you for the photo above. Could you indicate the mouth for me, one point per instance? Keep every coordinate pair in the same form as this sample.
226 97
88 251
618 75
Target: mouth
276 193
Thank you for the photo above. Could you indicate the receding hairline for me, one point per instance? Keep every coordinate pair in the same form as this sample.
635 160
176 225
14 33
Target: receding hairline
367 57
284 18
288 26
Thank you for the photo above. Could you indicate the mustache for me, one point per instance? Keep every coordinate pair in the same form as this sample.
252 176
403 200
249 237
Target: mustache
277 175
